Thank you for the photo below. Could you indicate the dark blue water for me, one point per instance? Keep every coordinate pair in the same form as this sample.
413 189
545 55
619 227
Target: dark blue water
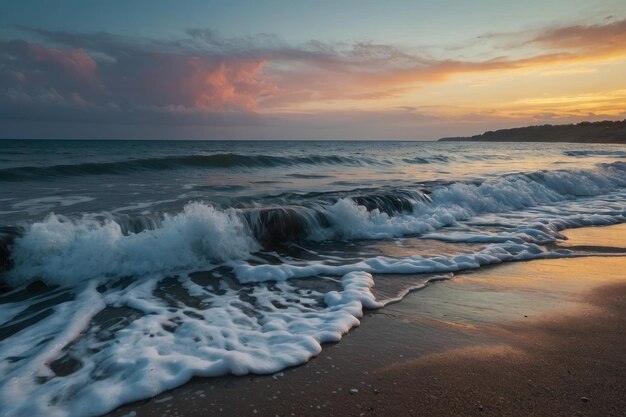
74 177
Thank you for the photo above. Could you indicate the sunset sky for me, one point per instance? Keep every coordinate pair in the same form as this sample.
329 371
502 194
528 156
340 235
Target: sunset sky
306 70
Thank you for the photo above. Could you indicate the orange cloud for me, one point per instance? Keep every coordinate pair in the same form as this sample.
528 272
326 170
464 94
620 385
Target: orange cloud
378 72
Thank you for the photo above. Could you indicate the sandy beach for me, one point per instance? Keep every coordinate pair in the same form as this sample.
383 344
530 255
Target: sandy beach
539 338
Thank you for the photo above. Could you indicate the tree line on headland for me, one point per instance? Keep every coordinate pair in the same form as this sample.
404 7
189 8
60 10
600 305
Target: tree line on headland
584 132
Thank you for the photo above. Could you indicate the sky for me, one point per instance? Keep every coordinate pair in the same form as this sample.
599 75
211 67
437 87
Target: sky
413 70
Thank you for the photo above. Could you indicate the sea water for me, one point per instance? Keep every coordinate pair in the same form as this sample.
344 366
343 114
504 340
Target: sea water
128 267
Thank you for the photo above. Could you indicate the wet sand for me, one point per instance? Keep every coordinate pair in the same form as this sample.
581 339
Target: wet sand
539 338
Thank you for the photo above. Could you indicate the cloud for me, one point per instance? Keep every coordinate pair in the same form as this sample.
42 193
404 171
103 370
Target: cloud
104 70
204 79
591 40
35 70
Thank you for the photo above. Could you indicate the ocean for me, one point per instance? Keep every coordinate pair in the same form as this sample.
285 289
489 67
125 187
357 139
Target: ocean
128 267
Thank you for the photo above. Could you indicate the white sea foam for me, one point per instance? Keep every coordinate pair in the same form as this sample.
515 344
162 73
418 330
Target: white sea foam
64 251
167 346
462 201
493 254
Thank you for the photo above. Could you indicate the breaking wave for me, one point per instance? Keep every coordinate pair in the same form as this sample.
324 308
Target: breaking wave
64 250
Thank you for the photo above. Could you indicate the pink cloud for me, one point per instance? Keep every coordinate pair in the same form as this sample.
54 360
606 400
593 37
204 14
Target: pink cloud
134 78
229 85
199 82
73 61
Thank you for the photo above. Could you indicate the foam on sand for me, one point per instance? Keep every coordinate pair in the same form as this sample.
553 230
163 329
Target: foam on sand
164 346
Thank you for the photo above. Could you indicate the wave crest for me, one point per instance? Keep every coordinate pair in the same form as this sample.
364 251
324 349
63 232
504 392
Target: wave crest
222 160
65 251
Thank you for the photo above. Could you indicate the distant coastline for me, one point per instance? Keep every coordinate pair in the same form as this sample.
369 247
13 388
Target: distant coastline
584 132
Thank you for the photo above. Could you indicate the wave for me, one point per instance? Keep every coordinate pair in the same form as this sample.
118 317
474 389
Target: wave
242 161
64 250
606 153
427 160
7 239
223 160
282 223
487 157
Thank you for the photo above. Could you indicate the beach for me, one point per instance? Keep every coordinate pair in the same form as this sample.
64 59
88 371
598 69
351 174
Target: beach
149 280
537 338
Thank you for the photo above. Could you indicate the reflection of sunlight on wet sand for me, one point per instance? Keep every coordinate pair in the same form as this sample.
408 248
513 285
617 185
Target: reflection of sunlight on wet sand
566 275
512 293
524 290
613 236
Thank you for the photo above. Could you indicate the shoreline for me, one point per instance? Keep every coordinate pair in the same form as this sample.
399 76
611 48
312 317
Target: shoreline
529 338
